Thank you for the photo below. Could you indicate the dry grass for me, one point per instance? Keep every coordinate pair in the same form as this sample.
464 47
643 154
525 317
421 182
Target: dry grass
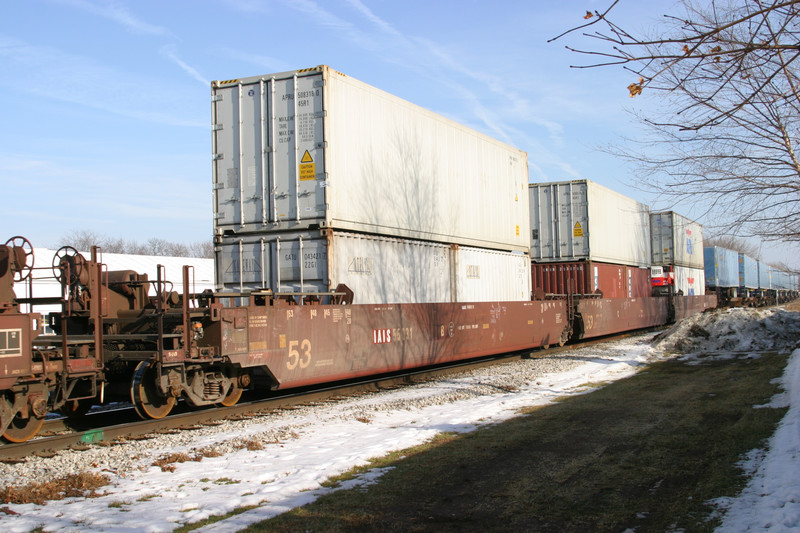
167 462
82 485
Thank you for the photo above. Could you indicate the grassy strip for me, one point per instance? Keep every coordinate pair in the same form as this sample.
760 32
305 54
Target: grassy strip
646 452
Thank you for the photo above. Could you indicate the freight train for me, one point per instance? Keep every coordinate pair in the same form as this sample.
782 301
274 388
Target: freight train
349 242
114 340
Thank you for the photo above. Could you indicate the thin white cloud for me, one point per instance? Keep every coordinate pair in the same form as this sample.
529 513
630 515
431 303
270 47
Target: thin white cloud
169 51
117 12
452 72
248 6
268 63
64 77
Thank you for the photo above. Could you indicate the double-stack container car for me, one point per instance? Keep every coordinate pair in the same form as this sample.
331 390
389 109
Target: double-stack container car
355 234
587 239
321 179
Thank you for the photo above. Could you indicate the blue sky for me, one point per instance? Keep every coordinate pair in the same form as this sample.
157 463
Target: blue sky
106 104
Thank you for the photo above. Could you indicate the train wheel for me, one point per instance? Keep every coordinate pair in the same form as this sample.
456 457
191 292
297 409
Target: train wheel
233 396
22 429
146 398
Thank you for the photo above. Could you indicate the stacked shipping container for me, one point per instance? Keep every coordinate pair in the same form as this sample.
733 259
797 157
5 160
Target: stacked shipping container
320 179
677 246
587 239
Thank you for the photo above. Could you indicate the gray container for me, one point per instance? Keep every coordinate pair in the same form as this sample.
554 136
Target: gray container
315 148
377 269
721 267
676 240
581 220
748 272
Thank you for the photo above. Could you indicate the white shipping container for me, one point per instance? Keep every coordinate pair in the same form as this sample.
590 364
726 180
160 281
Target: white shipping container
690 281
377 269
315 148
676 240
581 220
488 275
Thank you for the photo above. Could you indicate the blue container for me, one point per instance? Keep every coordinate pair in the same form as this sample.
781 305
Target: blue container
764 275
748 272
721 266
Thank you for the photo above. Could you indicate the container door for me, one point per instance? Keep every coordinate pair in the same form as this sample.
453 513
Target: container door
268 152
243 265
301 265
299 174
662 245
572 216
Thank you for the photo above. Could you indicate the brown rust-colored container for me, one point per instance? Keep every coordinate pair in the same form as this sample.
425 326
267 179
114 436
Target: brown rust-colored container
590 277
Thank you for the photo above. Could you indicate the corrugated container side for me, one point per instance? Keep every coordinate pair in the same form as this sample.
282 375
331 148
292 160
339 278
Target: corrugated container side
783 280
316 148
690 281
487 275
377 269
764 277
721 267
676 240
588 277
748 272
777 278
581 220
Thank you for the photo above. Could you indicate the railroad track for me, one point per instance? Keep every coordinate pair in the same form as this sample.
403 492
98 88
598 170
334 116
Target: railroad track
108 427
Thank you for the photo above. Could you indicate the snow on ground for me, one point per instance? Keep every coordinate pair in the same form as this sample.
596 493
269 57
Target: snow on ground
277 461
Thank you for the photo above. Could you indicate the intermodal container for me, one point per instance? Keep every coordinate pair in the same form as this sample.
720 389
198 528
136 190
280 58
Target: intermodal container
690 281
377 269
589 278
721 267
581 220
314 148
748 272
676 240
764 276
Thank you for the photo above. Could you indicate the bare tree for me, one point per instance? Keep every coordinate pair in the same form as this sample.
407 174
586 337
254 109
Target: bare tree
84 239
733 243
726 133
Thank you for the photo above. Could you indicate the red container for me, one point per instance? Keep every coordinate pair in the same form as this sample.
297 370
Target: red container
590 277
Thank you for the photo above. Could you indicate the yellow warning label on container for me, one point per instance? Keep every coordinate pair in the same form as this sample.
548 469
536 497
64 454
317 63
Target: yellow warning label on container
517 230
577 231
308 169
